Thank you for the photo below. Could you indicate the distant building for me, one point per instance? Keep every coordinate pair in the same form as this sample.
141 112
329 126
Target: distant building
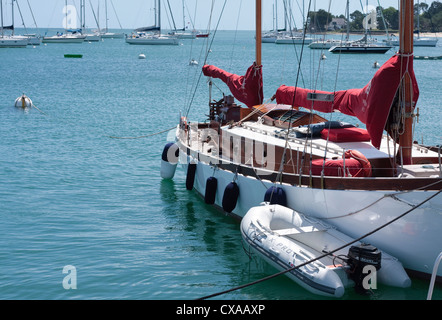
337 24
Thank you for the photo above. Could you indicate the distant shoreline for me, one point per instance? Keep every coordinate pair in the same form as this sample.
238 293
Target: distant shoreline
380 33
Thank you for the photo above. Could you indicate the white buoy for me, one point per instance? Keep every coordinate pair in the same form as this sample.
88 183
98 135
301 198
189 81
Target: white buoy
193 62
23 102
142 56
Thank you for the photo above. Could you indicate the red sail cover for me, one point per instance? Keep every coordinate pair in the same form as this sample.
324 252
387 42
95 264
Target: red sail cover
247 89
371 104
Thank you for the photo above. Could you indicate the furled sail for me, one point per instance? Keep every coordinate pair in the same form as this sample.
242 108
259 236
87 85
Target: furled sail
247 88
147 29
11 27
371 104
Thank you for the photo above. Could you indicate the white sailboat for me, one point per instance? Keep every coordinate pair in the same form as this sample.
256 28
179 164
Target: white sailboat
289 36
272 35
368 183
298 38
69 36
152 35
363 45
324 44
90 37
10 41
32 38
64 38
182 33
106 33
418 41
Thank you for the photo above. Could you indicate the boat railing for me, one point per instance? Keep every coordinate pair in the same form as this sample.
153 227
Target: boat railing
433 276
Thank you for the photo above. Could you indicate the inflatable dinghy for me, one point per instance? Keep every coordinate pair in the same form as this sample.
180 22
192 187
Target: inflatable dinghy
286 239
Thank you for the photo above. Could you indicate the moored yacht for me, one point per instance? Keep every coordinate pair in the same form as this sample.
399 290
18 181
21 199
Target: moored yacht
373 182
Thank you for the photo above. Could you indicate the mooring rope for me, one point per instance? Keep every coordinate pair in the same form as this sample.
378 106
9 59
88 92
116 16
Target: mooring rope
145 136
33 105
323 255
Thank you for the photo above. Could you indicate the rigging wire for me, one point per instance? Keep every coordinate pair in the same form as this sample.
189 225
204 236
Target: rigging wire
207 54
323 255
234 38
190 56
279 175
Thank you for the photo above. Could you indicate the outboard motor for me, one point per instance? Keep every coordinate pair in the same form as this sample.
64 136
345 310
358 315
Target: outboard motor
359 257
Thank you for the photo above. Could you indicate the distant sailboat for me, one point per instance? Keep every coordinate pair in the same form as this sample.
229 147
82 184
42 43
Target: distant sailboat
289 37
324 43
272 35
152 35
70 36
90 37
417 41
33 39
360 46
10 41
182 33
105 33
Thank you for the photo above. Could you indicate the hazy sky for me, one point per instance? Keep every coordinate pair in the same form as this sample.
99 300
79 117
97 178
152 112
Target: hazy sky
136 13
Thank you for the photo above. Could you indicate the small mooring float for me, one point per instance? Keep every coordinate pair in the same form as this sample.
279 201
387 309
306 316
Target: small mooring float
73 55
287 239
23 102
141 56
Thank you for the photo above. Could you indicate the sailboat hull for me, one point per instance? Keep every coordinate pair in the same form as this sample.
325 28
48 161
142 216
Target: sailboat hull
13 42
64 39
359 49
152 40
419 42
111 35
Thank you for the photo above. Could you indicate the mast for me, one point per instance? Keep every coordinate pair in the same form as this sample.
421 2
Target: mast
105 9
348 20
12 13
184 18
159 15
276 16
406 50
82 16
418 22
66 13
1 13
258 32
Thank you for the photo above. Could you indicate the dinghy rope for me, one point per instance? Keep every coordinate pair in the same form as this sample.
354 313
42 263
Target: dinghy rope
323 255
390 195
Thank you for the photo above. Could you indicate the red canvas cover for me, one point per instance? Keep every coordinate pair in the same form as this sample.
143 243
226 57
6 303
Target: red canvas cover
336 167
247 88
345 134
371 104
356 165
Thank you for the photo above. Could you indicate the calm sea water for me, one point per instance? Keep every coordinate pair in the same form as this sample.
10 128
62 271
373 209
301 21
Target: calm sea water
74 196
